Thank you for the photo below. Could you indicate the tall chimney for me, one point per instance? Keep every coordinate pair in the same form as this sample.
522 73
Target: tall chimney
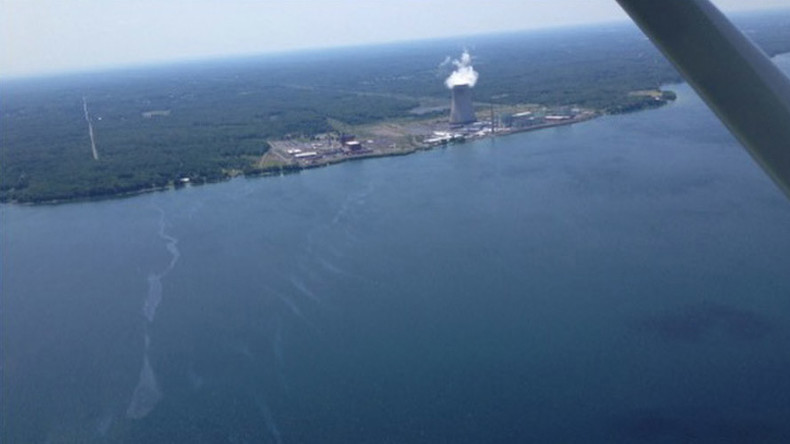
461 109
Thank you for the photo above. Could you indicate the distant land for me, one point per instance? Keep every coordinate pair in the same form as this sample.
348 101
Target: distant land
200 122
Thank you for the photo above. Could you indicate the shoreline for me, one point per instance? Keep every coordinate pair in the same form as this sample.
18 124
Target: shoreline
295 169
289 169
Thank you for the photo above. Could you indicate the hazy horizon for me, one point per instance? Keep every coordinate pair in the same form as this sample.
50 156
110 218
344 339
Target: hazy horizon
84 36
274 54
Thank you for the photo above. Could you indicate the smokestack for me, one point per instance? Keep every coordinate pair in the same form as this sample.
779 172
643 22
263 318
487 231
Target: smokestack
461 109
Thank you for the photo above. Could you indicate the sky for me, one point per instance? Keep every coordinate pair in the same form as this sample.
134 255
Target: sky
50 36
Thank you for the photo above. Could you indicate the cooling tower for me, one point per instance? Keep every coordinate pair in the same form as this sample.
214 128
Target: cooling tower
461 109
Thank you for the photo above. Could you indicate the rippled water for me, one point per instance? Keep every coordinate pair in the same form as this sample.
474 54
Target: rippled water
625 279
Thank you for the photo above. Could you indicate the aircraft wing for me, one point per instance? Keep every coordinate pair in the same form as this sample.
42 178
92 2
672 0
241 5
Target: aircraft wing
734 77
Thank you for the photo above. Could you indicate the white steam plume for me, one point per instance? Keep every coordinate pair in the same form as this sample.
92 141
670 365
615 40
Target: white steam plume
464 73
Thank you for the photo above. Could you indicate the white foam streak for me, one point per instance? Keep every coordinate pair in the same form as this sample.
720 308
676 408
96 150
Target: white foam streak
171 244
104 424
269 421
299 285
155 279
146 394
195 380
154 297
291 305
279 359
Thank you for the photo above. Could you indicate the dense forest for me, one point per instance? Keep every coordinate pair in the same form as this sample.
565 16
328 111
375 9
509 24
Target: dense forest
206 121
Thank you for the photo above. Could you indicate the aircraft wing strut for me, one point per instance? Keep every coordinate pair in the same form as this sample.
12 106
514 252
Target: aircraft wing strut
734 77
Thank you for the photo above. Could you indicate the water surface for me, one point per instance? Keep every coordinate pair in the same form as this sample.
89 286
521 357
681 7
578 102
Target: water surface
625 279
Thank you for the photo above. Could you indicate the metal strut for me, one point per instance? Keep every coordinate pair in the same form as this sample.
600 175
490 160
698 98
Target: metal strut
734 77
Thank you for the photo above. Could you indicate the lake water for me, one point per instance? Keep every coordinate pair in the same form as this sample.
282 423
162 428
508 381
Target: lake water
625 279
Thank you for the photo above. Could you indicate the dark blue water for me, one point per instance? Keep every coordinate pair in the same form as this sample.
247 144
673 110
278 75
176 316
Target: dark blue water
622 280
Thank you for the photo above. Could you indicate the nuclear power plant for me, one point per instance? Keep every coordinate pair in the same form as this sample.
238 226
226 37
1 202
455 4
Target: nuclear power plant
460 82
397 137
461 110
